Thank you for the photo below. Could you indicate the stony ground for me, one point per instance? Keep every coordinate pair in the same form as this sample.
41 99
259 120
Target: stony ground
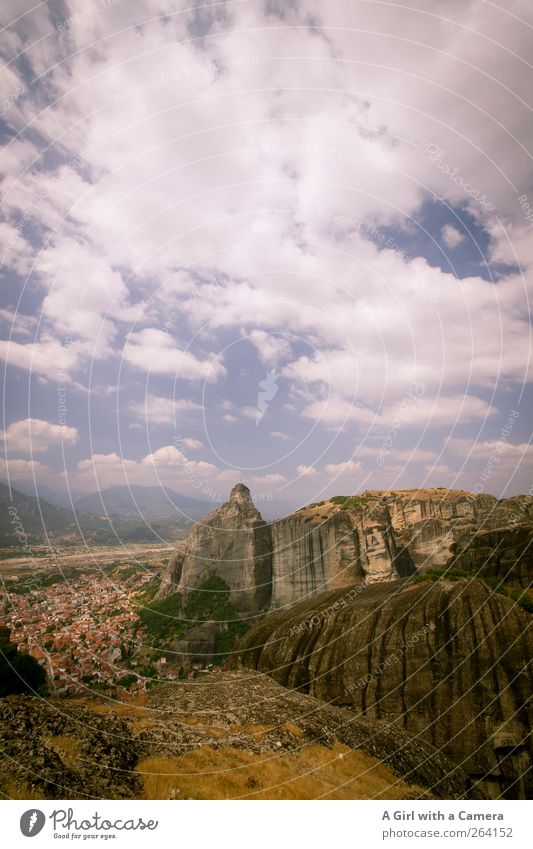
228 735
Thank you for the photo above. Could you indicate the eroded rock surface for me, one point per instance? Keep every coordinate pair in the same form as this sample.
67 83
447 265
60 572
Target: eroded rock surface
446 661
379 536
233 542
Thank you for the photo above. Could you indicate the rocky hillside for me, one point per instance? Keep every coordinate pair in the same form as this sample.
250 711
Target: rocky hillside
374 537
447 661
229 735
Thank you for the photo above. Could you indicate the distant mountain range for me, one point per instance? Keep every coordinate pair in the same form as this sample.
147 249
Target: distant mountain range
128 514
148 501
26 518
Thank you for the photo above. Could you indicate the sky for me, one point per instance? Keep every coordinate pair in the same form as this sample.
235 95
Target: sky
283 243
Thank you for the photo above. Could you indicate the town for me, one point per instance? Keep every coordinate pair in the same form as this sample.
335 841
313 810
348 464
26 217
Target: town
87 634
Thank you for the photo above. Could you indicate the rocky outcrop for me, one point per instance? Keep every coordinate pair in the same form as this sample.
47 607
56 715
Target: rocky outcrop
250 713
378 536
227 735
234 543
505 553
429 522
59 750
329 547
197 645
445 661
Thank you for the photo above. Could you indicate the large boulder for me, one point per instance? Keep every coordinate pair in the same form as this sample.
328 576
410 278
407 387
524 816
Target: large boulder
505 553
447 661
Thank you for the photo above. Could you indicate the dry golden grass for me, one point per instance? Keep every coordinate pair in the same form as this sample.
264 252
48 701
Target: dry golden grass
313 772
134 707
16 789
67 748
253 730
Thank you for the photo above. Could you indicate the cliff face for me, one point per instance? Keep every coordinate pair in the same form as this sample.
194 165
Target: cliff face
447 661
318 549
505 553
429 523
379 536
233 542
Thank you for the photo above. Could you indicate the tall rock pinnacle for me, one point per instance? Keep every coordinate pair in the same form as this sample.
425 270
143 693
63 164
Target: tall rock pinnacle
234 543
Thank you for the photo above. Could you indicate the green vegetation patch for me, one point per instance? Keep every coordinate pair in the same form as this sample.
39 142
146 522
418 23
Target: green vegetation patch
170 618
496 584
352 502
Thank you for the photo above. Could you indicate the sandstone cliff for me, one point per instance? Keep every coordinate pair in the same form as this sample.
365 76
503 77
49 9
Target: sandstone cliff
505 553
329 546
374 537
428 522
445 661
233 542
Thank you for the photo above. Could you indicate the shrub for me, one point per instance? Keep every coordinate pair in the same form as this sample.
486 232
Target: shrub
20 673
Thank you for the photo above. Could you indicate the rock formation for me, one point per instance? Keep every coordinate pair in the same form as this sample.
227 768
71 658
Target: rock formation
428 522
328 546
505 553
447 661
197 645
378 536
233 542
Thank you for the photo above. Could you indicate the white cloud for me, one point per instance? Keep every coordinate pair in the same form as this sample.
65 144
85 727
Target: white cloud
271 347
24 469
451 236
278 434
48 358
439 468
166 466
239 220
153 350
484 450
160 410
269 480
306 471
192 444
17 322
347 468
35 435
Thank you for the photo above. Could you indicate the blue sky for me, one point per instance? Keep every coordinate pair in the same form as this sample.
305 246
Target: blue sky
280 243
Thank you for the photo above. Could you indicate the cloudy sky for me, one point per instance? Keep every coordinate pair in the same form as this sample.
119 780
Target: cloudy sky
288 243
